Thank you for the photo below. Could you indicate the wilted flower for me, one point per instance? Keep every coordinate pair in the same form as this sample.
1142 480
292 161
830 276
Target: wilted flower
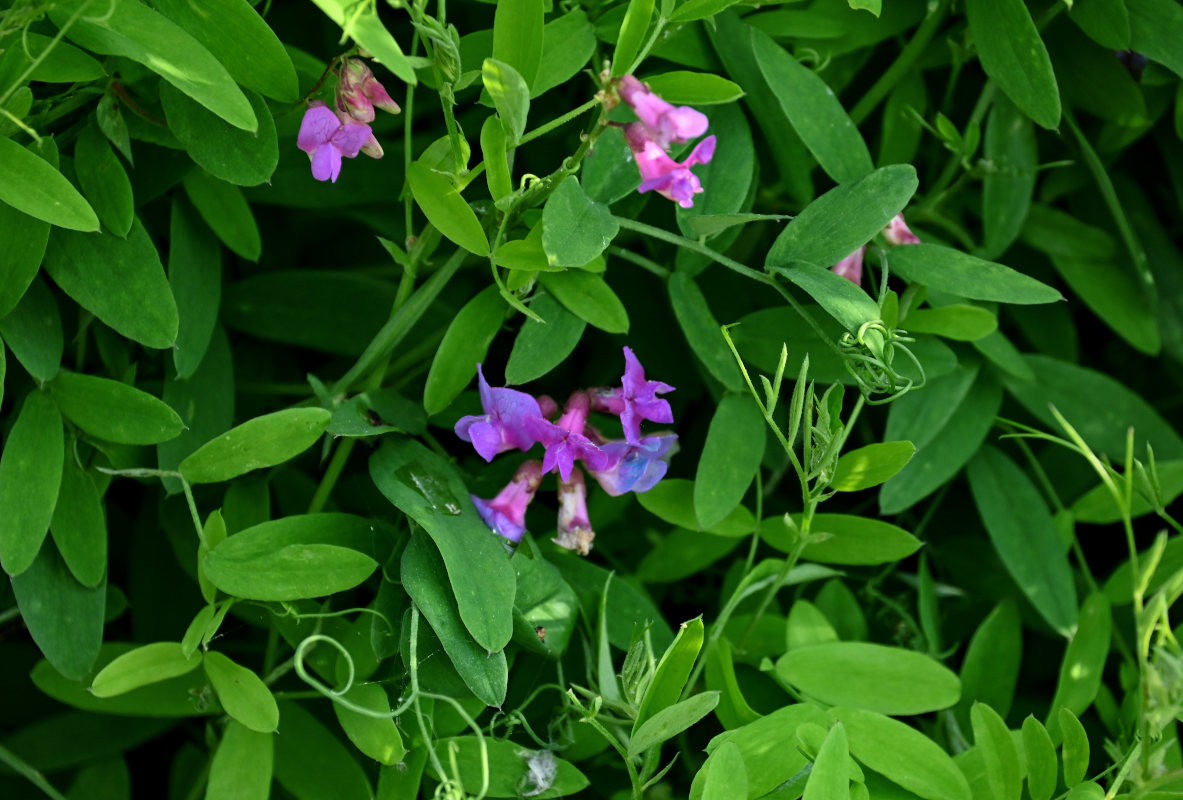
666 124
327 139
898 232
504 425
575 530
635 400
851 267
505 514
662 174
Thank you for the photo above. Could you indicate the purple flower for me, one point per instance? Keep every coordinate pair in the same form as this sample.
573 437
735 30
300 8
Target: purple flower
564 441
665 123
575 530
326 139
505 423
636 467
851 267
635 400
505 514
662 174
898 232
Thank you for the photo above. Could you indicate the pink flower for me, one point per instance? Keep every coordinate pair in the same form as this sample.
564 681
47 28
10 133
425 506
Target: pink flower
505 514
327 139
575 530
666 124
662 174
359 92
851 267
635 399
503 426
564 441
897 232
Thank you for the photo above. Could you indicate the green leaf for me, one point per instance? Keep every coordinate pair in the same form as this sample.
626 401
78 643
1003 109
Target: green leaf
1097 406
845 218
1076 748
425 578
244 158
670 721
1003 354
999 753
464 345
493 146
64 617
195 278
365 28
542 599
22 244
513 770
1060 234
575 228
239 38
829 778
1024 536
104 180
958 321
850 539
114 411
311 762
726 777
33 331
1084 661
567 45
727 182
242 764
150 663
672 672
694 88
761 743
814 111
1013 55
1155 28
588 296
871 465
1040 755
541 346
518 38
902 754
427 488
444 208
1098 507
632 36
257 443
31 185
1115 296
30 476
889 680
511 96
874 6
730 457
1107 22
64 63
990 670
134 31
226 211
952 271
685 552
294 557
242 693
1006 191
842 300
702 331
120 281
78 526
375 736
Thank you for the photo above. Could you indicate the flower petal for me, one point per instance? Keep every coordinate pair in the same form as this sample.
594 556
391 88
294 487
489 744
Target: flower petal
317 128
351 137
326 163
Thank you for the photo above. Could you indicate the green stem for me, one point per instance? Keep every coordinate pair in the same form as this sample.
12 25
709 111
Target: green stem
904 61
24 76
783 575
640 261
329 480
25 769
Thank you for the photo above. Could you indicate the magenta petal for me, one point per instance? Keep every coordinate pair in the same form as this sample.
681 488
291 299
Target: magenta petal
318 126
349 139
702 153
326 163
659 183
486 439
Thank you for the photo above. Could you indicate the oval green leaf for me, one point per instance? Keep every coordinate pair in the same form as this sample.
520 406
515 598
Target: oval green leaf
242 764
242 693
150 663
694 88
871 465
730 457
31 185
1076 748
541 346
829 778
959 321
104 180
244 158
114 411
30 477
575 228
1013 54
588 296
79 527
961 274
443 206
258 443
1040 756
999 754
464 345
852 540
376 736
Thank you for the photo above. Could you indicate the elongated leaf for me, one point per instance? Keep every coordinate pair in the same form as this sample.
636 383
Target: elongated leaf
589 297
1040 755
1084 662
845 218
693 88
261 442
1155 27
632 35
844 301
376 736
114 411
761 744
225 210
828 780
104 180
22 242
1114 296
242 764
137 32
242 693
1076 748
31 185
889 680
1006 193
244 158
195 277
511 96
542 346
672 672
1024 536
671 721
730 458
446 209
518 37
1013 55
814 111
30 476
871 465
990 670
702 331
567 45
848 539
367 29
120 281
949 270
465 345
999 753
150 663
78 526
426 581
428 489
33 332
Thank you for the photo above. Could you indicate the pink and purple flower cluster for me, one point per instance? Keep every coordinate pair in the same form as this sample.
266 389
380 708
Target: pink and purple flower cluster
516 420
329 134
661 124
897 232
